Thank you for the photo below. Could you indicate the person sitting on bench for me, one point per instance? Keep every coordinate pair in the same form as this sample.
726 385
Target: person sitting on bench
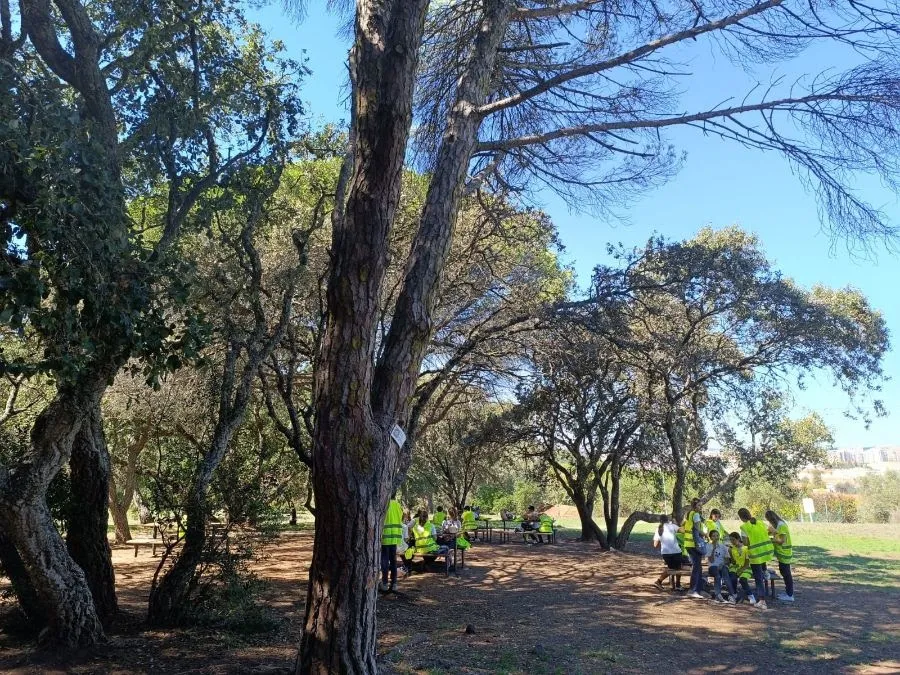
530 522
425 538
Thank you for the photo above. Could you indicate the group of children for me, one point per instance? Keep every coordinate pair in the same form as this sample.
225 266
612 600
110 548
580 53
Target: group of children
406 536
733 558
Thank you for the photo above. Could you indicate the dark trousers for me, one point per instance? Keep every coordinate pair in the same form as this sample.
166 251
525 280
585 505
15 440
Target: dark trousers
696 570
758 576
785 570
389 562
744 589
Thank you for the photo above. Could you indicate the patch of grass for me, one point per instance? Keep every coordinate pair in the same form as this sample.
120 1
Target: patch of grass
608 655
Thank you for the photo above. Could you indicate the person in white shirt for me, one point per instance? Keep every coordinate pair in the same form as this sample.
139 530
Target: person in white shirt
666 541
718 567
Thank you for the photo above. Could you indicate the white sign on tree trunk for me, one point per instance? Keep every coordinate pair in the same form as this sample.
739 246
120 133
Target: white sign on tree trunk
398 435
808 505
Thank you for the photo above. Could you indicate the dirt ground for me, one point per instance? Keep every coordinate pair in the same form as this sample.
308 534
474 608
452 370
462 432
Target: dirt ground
563 608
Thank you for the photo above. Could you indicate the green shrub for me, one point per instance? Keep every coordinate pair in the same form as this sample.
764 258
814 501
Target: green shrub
880 498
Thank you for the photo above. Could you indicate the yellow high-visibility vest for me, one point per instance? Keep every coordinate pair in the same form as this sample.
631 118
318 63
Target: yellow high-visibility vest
760 547
784 552
737 559
439 518
425 543
392 533
688 526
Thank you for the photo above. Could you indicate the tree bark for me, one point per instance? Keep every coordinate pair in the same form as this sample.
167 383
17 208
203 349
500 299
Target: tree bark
354 460
29 602
339 628
611 503
170 598
87 520
59 584
120 521
590 531
169 601
678 496
630 522
119 503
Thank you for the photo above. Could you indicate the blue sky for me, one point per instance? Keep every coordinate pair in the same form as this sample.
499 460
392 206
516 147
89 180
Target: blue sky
720 184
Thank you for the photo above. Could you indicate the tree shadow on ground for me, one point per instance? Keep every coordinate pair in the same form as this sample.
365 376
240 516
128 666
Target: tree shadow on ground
851 569
563 608
574 609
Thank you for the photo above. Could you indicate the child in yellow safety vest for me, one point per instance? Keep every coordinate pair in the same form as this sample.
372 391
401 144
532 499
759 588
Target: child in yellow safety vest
784 553
545 526
425 541
714 524
468 521
760 550
739 568
439 517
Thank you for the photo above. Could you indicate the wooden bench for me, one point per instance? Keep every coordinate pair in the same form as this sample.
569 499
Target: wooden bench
450 559
158 540
551 535
150 543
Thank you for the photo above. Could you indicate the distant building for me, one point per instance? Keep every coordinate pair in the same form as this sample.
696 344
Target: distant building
880 458
848 465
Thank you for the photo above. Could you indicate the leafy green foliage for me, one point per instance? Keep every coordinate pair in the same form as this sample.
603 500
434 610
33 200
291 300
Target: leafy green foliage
880 498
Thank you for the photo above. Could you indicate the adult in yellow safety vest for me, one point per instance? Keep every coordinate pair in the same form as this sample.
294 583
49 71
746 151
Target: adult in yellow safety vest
739 567
545 527
692 526
391 536
759 547
784 553
439 517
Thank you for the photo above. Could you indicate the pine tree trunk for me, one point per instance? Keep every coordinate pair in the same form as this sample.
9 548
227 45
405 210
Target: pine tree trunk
339 626
86 528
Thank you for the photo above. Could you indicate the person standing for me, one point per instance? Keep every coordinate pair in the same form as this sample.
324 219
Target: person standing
781 538
666 540
693 541
391 536
759 548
